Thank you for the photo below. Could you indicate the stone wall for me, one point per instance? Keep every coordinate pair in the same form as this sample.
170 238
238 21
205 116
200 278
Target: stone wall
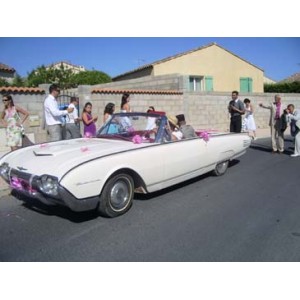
205 110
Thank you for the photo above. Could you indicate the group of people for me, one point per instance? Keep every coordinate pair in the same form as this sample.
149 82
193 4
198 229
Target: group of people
53 117
280 117
14 116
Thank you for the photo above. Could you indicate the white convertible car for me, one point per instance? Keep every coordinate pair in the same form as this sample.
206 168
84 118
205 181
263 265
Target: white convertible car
133 152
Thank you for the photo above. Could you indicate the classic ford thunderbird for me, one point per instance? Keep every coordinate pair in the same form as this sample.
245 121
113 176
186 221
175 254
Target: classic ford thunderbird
133 152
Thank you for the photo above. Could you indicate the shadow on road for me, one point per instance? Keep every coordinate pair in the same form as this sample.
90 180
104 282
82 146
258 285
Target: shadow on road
60 211
265 145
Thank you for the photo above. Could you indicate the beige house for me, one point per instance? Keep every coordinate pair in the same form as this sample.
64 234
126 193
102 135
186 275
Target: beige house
209 68
67 66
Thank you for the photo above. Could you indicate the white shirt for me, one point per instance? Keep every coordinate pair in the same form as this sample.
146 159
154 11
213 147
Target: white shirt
73 116
178 134
52 113
150 123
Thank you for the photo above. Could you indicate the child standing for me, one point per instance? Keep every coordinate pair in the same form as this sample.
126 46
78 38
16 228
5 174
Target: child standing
89 122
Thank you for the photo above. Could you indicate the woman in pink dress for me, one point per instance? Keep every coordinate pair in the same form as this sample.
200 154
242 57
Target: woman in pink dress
89 122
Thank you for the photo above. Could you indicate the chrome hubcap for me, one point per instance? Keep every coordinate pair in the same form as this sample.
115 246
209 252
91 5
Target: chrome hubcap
119 195
222 167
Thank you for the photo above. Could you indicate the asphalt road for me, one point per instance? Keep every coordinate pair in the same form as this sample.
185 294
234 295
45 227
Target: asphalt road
252 213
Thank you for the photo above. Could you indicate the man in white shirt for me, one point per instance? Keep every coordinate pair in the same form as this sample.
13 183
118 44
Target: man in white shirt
72 121
53 114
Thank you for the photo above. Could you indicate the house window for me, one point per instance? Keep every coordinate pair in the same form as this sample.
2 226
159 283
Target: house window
246 84
196 83
209 86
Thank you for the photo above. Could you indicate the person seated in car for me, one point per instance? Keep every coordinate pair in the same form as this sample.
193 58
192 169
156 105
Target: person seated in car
187 130
176 134
150 120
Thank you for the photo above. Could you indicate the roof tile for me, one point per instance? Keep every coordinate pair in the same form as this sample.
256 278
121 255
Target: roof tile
122 91
6 68
13 89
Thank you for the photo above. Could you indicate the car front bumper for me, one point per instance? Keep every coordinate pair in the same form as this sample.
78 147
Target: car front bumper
26 184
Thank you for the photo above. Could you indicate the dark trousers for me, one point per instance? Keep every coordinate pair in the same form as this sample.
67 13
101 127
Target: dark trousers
236 124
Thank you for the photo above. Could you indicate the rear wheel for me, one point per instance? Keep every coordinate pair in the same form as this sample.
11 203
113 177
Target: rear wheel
117 196
221 168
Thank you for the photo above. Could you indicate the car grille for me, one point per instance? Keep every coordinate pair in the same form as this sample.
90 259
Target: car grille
21 181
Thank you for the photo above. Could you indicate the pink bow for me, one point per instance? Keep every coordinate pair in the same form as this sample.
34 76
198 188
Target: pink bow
204 135
137 139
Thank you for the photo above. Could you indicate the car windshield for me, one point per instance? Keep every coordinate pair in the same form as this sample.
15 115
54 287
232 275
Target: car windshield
134 127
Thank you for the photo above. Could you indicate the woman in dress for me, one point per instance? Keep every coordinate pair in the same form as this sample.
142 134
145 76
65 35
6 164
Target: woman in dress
89 122
125 107
108 111
249 119
12 121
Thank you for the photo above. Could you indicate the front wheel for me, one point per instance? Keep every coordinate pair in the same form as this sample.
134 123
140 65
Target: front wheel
117 196
221 168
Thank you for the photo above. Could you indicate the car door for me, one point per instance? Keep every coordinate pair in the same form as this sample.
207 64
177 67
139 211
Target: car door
185 159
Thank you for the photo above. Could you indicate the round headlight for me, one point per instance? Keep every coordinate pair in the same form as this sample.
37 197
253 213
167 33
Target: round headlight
48 185
4 171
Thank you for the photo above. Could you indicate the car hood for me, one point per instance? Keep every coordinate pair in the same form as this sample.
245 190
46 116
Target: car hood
58 157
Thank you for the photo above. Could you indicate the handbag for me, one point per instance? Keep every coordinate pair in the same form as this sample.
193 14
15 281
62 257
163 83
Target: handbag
22 130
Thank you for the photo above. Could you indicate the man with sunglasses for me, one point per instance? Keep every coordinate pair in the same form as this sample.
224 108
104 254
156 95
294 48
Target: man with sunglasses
53 114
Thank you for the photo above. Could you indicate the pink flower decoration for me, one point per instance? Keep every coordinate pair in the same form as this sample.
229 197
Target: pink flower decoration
43 145
88 135
16 183
137 139
84 149
204 135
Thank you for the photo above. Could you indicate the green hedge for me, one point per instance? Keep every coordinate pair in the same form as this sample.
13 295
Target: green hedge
287 87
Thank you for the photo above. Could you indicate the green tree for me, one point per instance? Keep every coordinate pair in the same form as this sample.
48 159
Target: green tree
65 77
42 75
3 82
39 76
18 81
90 78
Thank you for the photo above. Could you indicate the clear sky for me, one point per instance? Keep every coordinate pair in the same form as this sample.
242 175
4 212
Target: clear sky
278 57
